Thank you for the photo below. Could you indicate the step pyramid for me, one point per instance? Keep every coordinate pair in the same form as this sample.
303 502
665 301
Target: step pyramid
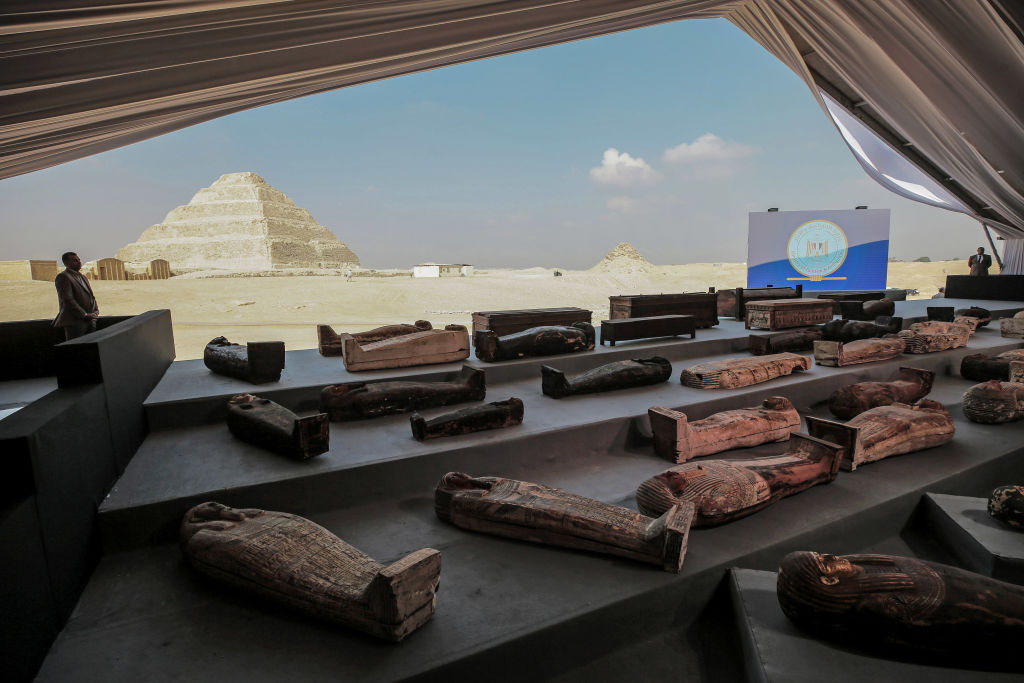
240 223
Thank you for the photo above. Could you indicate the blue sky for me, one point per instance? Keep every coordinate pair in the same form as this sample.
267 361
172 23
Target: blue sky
665 137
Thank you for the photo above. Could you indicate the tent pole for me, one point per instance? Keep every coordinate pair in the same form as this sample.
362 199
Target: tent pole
993 245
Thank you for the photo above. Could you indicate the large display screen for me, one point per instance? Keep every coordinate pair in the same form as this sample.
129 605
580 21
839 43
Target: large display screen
821 250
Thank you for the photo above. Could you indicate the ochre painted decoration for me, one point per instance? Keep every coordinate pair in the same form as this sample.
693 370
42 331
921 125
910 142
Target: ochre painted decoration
1007 505
533 512
679 440
932 336
779 314
837 354
911 384
330 344
994 402
294 562
982 368
742 372
852 330
266 424
256 362
402 351
889 430
623 374
362 400
781 342
536 341
723 490
495 415
901 606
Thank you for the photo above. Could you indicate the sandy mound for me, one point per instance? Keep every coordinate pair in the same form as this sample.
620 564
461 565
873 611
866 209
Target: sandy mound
623 259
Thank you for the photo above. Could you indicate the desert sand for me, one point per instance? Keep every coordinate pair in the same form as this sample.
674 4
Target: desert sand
288 308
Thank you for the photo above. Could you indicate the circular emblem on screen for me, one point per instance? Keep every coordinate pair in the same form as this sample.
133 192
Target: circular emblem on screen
817 249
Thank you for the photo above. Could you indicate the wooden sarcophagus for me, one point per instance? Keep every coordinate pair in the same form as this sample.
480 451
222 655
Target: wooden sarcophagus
801 339
931 336
742 372
330 343
256 362
703 306
836 354
1012 327
503 323
779 314
732 303
406 350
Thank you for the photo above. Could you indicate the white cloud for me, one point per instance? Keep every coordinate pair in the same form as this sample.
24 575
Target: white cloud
710 154
621 170
620 203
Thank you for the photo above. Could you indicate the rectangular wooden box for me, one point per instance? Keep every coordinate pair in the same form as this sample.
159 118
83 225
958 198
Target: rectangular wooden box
703 306
507 322
784 313
733 302
624 329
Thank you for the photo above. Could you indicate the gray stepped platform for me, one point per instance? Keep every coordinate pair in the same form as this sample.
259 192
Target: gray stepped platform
776 651
513 609
190 394
177 468
978 542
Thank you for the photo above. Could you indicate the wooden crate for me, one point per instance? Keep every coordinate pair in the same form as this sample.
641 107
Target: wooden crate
780 314
623 329
733 302
703 306
507 322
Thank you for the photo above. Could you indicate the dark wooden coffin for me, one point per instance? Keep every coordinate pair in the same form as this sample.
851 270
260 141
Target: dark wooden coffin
703 306
780 342
624 329
942 314
507 322
778 314
733 302
256 362
850 296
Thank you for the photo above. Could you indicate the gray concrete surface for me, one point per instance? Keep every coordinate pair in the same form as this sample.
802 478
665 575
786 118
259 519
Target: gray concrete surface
978 542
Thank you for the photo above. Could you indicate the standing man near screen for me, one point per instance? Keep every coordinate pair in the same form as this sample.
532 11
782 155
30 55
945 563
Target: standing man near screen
980 262
78 309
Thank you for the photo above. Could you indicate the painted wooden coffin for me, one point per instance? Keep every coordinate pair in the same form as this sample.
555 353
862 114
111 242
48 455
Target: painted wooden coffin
837 354
266 424
742 372
732 303
910 385
994 402
402 351
932 336
362 400
780 314
329 342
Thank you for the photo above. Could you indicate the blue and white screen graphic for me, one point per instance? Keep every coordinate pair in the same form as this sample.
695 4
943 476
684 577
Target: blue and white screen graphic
821 250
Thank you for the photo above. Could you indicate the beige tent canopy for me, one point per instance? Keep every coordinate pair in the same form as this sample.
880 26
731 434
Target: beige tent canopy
935 82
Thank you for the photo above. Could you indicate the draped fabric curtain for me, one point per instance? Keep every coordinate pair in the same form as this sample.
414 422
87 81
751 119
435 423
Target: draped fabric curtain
1013 258
78 78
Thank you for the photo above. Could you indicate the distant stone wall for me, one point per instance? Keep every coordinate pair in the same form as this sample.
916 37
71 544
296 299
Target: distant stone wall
29 269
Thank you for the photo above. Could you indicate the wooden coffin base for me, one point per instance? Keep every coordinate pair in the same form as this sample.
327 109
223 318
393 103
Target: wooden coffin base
625 329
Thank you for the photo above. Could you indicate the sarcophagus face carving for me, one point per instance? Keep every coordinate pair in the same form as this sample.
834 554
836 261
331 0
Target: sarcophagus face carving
536 341
256 362
723 490
623 374
837 354
782 342
679 440
889 430
359 400
294 562
532 512
852 330
330 343
742 372
266 424
910 385
935 336
982 368
994 402
903 606
1007 504
473 419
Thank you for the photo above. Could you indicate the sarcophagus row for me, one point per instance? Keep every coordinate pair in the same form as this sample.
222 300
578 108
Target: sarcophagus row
910 385
536 341
533 512
296 563
899 606
256 362
496 415
838 354
723 490
888 430
782 342
679 440
1007 505
362 400
623 374
741 372
994 402
852 330
703 306
932 336
266 424
406 350
782 313
330 343
981 368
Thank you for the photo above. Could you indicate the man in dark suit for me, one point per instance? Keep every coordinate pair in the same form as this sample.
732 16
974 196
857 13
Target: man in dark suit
980 262
78 309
